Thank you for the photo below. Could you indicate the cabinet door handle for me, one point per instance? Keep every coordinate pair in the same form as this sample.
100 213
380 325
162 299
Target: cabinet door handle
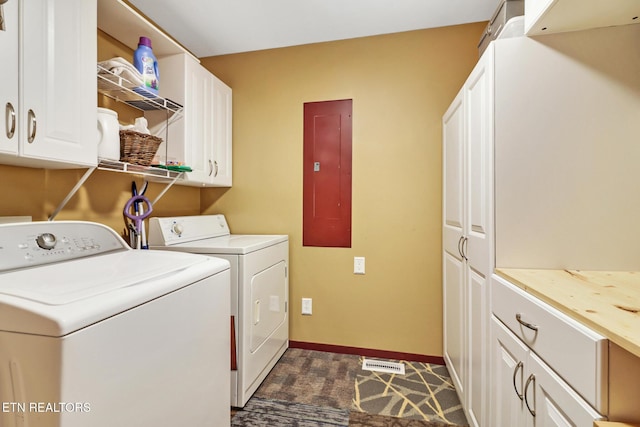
464 248
33 126
215 162
10 120
520 367
531 379
526 324
210 167
460 240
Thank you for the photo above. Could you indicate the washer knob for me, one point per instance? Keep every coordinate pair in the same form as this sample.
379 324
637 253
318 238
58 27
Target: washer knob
46 241
177 228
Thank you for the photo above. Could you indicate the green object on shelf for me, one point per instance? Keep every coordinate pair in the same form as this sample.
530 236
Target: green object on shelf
175 168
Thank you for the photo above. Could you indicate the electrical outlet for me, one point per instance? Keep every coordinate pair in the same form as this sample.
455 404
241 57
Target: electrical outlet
307 306
358 265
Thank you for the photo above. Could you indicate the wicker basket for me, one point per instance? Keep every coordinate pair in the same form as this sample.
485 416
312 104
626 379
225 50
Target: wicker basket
138 148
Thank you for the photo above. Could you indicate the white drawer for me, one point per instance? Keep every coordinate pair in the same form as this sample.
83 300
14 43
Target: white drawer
573 351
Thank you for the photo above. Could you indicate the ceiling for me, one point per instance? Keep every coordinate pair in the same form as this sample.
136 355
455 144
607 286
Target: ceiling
218 27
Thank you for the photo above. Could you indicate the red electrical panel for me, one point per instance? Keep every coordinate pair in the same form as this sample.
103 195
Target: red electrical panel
327 174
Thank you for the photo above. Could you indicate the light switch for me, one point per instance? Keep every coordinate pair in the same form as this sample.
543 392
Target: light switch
358 265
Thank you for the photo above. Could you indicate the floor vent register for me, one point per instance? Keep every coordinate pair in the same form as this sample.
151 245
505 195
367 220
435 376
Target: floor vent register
383 366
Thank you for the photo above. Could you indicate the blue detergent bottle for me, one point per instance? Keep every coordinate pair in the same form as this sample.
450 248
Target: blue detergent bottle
145 61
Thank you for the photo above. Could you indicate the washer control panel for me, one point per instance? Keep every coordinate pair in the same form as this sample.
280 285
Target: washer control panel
31 244
173 230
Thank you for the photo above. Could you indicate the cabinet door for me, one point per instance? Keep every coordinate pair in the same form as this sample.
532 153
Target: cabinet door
9 80
454 331
454 294
58 109
478 226
222 136
453 175
479 165
199 134
508 355
554 402
477 345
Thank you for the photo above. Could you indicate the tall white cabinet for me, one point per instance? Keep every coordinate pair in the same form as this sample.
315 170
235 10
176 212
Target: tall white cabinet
468 235
48 83
540 156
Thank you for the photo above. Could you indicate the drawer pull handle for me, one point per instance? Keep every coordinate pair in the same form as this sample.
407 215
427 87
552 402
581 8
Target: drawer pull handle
525 324
520 367
532 378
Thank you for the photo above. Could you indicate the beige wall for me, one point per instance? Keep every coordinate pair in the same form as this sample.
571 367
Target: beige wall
400 84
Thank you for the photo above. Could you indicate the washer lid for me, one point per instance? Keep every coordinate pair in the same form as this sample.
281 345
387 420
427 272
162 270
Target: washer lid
59 298
233 244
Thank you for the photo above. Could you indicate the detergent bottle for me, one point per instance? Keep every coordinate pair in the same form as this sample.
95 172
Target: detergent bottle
145 61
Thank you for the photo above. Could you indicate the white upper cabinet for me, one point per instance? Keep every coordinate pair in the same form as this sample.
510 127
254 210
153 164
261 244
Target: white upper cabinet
556 16
201 138
55 106
9 80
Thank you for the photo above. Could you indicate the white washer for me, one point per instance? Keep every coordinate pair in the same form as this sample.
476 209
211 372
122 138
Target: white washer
95 334
259 290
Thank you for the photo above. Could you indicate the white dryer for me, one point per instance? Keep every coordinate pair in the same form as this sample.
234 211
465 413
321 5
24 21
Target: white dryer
93 333
259 290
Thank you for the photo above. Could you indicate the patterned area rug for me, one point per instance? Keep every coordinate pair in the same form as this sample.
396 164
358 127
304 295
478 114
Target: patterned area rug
362 419
424 393
310 388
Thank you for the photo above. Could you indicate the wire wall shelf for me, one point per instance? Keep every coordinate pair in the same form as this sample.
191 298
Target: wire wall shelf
119 88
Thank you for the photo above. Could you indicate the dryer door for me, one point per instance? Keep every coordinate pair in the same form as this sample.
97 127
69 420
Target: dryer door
268 296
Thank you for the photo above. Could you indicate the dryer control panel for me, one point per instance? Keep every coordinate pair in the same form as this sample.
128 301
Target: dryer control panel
173 230
31 244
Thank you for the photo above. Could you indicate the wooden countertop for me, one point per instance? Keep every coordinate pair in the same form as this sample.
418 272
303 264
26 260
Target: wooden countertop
606 301
613 424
